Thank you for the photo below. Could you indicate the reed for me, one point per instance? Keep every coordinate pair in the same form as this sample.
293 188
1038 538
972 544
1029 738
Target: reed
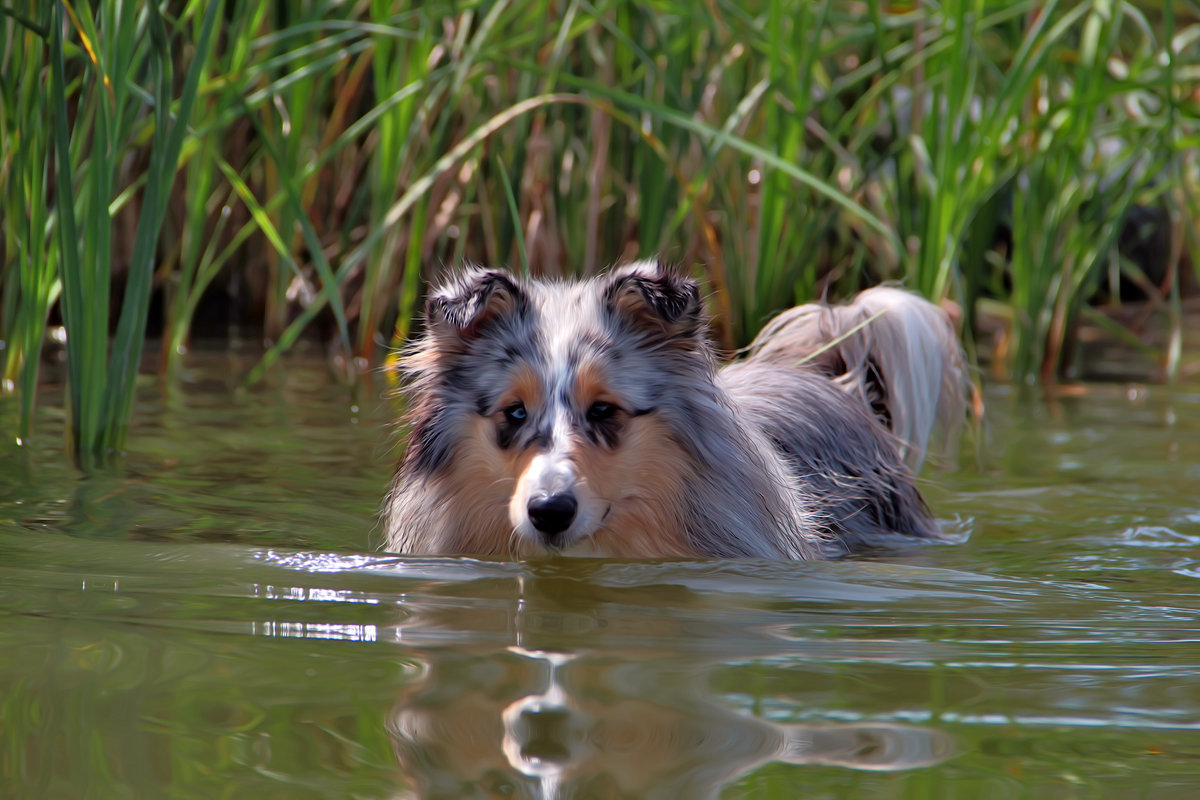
120 47
30 284
334 157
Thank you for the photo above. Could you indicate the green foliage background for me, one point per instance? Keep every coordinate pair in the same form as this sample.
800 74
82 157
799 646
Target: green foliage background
317 162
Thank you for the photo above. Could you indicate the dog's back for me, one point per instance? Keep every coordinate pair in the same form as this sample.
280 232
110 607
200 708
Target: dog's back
851 396
839 455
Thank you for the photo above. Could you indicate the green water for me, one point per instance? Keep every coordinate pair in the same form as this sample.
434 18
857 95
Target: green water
217 622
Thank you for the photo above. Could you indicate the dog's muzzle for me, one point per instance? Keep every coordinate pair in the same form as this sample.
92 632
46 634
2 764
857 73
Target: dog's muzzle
552 514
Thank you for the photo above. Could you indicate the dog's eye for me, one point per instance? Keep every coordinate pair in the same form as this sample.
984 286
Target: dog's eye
515 414
600 411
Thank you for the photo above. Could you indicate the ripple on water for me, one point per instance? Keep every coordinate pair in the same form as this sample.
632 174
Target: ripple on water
1052 647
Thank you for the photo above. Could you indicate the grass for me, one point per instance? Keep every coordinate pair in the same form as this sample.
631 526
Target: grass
83 147
30 285
315 164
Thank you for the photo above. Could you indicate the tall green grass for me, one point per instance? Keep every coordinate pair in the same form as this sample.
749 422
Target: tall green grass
30 282
315 163
125 46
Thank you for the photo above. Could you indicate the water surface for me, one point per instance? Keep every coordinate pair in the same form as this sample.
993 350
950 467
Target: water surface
217 621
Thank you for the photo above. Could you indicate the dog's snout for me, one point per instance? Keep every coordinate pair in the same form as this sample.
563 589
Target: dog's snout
552 514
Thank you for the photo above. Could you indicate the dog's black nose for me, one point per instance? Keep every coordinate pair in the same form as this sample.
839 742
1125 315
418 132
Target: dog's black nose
552 514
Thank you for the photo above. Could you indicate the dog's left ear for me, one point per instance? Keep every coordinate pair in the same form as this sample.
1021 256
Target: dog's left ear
656 300
463 309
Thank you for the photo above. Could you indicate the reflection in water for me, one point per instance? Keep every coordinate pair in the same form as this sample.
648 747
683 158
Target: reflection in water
550 725
554 722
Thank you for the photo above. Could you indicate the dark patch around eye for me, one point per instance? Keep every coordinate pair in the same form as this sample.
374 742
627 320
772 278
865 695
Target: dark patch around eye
601 412
506 433
603 423
512 421
607 432
522 435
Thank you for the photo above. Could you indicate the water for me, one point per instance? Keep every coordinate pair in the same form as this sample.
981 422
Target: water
218 622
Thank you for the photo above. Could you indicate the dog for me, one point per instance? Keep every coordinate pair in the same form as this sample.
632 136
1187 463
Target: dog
590 417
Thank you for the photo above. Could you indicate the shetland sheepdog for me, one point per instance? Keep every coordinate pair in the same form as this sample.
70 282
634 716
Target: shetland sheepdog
591 417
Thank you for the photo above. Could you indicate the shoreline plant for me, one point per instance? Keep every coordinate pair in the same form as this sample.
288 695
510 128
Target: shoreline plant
304 168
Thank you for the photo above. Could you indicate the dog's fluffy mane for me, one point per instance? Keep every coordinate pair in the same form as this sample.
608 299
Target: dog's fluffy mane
796 449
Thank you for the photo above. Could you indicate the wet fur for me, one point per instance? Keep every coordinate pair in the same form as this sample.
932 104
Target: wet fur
784 454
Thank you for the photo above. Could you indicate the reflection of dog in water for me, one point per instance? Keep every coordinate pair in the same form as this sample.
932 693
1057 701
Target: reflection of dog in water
590 417
627 730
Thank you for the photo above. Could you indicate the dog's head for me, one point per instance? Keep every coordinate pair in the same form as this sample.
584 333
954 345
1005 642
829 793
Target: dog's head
552 413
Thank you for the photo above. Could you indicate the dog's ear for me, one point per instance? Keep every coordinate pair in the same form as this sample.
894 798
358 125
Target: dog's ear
464 308
656 300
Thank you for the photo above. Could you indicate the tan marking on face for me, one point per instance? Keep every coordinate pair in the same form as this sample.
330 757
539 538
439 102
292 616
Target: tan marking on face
480 483
525 387
591 384
643 482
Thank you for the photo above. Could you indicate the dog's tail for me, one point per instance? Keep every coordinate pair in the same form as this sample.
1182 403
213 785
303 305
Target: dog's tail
893 349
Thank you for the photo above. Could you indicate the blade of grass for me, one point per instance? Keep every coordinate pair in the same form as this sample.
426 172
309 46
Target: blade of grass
168 142
30 288
511 199
329 284
84 394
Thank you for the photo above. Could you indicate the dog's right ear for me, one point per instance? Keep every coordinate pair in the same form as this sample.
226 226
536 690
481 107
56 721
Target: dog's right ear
463 309
656 300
